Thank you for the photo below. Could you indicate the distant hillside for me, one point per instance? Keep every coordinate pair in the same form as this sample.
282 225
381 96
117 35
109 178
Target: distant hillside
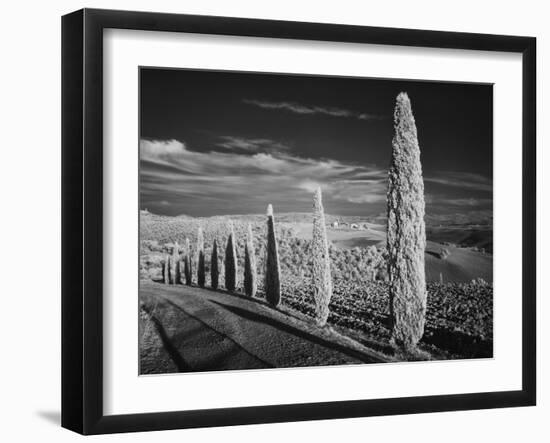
281 217
478 237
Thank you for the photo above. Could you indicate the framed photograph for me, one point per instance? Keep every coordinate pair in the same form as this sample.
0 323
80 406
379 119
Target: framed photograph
269 221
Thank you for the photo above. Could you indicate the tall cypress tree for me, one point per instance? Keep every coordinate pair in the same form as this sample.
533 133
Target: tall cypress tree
272 268
406 237
322 281
175 265
166 270
188 264
230 261
200 259
214 272
250 276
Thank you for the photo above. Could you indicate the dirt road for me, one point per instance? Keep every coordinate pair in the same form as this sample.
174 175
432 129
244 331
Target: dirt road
205 330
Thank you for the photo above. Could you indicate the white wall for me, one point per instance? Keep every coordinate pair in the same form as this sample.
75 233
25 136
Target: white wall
30 188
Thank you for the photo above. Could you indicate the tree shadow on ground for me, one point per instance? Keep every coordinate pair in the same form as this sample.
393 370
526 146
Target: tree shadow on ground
375 345
175 355
256 299
177 340
253 316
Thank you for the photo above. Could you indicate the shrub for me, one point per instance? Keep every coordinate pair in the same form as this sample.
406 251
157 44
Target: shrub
230 261
250 277
322 282
200 259
479 282
214 273
406 239
272 268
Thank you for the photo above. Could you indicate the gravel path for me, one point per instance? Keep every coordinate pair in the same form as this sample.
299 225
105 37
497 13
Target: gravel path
205 330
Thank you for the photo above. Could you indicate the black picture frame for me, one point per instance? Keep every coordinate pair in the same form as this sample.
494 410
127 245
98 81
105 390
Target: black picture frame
82 218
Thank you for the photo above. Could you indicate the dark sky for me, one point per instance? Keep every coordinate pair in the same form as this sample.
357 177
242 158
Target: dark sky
216 142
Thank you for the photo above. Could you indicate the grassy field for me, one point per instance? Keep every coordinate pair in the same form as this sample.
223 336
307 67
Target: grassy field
458 320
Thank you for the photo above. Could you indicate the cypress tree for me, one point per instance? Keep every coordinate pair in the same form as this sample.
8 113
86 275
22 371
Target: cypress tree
272 269
200 259
214 273
188 265
166 270
406 237
250 276
230 261
322 281
175 265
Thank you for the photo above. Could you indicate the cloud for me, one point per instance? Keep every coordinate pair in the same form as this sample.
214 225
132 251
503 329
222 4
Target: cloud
250 144
359 191
172 172
309 185
158 149
464 180
244 180
298 108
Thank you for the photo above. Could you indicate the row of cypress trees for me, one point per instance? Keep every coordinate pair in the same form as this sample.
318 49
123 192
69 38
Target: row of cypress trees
172 272
172 267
